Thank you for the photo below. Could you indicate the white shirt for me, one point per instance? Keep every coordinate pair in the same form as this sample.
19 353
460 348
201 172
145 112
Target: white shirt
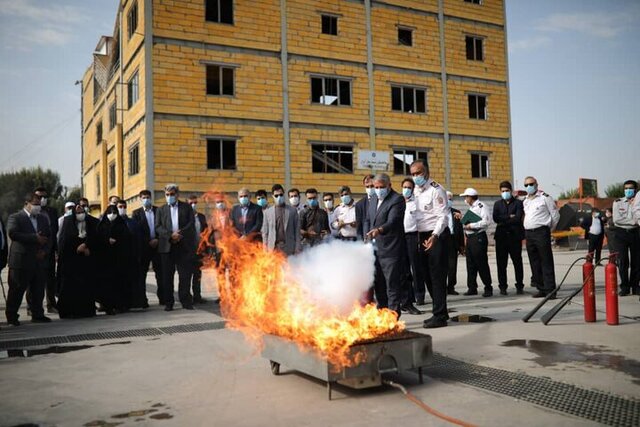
82 229
450 225
34 220
151 221
332 217
346 214
410 223
198 226
432 208
174 217
482 211
540 211
596 227
623 214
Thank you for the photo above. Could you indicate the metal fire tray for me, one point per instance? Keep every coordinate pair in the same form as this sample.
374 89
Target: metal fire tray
390 353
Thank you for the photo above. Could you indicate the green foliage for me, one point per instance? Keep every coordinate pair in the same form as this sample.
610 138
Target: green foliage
569 194
615 190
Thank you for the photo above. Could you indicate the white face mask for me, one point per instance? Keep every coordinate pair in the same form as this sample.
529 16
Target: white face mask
80 217
220 205
43 202
194 206
328 204
35 209
295 201
111 217
68 213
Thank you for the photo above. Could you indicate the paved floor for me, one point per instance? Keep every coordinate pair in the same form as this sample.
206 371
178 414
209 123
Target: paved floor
214 377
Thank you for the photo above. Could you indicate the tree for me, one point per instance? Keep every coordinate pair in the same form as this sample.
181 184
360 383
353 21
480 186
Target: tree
15 185
569 194
616 190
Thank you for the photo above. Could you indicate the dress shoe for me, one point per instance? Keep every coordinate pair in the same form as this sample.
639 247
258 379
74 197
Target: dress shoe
200 300
145 305
504 292
409 308
168 307
519 291
470 292
452 292
488 292
40 319
434 323
420 302
624 292
188 307
14 322
52 310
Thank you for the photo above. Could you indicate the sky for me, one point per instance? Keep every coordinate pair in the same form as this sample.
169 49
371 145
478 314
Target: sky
574 69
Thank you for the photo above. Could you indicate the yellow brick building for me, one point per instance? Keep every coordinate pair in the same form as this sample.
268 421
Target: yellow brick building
231 93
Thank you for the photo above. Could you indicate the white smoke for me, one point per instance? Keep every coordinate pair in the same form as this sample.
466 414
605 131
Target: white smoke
336 274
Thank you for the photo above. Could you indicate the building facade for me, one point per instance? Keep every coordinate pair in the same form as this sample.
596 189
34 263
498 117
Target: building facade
229 93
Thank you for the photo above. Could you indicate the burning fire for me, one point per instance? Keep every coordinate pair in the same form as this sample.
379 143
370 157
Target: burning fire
259 296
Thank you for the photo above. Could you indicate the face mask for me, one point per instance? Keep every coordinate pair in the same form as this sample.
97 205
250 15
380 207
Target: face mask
406 192
146 203
86 209
68 213
122 211
220 205
531 190
382 192
35 209
262 202
506 195
419 180
629 193
244 200
43 202
346 199
313 203
279 200
295 201
111 217
370 192
80 217
171 199
597 215
449 204
194 206
328 204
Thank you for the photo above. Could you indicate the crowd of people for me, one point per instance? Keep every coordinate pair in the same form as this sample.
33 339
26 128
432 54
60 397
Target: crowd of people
77 264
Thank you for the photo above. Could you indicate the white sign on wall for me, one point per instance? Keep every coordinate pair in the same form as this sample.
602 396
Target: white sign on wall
375 160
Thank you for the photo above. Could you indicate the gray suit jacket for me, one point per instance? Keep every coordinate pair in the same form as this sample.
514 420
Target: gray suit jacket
24 240
186 246
390 217
291 230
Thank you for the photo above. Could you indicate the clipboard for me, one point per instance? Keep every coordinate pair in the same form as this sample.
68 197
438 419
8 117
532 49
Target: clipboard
470 217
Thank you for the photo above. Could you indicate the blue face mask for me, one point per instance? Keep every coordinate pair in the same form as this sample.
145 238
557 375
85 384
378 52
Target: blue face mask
406 192
531 189
346 199
313 203
419 180
244 200
262 202
171 199
279 199
506 195
146 203
382 192
629 193
370 191
449 204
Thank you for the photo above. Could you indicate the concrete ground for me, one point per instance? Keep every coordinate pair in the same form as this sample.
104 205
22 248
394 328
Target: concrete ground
215 378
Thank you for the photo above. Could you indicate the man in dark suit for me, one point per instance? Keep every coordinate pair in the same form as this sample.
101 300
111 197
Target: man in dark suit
199 224
246 217
31 242
146 216
362 207
455 247
508 214
176 242
51 215
385 224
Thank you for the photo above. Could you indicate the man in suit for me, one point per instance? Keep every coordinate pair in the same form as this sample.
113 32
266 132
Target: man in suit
280 226
594 233
200 224
31 243
246 217
508 214
51 215
362 207
385 224
176 242
146 216
456 245
4 246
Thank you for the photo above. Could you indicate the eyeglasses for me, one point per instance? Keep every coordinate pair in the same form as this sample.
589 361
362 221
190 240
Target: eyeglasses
531 184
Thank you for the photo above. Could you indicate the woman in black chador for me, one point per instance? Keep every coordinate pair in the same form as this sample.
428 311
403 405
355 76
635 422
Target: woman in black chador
115 246
76 265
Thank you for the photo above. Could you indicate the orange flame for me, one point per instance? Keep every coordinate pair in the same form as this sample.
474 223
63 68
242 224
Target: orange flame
258 296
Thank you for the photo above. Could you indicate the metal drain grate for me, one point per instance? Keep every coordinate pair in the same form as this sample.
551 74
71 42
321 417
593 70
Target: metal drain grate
593 405
147 332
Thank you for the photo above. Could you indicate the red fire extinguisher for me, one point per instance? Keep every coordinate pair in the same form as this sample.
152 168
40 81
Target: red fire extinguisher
589 291
611 290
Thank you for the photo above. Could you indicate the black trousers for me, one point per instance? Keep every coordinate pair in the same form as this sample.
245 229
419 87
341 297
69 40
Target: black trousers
21 280
388 283
50 284
478 260
628 248
183 263
434 265
507 246
196 279
595 245
417 284
452 273
543 273
150 257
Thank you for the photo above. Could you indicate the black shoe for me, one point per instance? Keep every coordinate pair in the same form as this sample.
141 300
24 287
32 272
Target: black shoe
188 307
635 291
470 292
14 322
409 308
200 300
504 292
145 305
452 292
624 292
168 307
52 310
539 294
40 319
434 323
488 292
519 291
420 302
